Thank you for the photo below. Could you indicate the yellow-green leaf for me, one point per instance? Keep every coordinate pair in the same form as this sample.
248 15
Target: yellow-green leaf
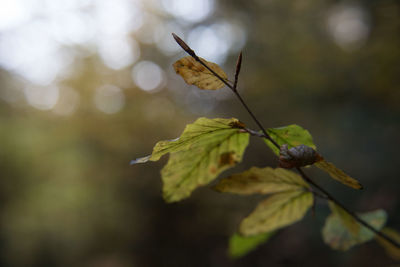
205 149
292 135
241 245
261 181
196 74
338 174
338 236
196 133
347 220
277 211
391 250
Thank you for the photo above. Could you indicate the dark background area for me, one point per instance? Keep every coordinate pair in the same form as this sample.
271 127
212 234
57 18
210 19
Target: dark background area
87 86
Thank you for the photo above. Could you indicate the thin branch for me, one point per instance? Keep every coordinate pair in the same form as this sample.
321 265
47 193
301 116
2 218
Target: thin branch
264 134
314 203
352 214
318 194
188 50
238 66
326 195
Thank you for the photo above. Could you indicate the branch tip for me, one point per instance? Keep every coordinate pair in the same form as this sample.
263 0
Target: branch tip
184 46
238 64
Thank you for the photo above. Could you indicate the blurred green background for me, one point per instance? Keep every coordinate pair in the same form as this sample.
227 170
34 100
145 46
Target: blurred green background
87 85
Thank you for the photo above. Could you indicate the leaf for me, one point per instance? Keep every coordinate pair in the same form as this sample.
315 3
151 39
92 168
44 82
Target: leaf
261 181
199 131
206 148
241 245
277 211
196 74
338 236
347 220
292 135
338 174
391 250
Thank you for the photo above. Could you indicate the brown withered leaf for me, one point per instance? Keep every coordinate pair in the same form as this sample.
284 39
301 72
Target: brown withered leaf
196 74
338 174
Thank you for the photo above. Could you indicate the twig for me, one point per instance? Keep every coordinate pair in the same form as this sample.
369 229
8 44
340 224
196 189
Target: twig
318 194
264 134
188 50
238 65
326 195
352 214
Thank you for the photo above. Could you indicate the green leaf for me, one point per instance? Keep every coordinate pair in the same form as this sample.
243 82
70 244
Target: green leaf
261 181
205 149
241 245
277 211
338 174
199 131
391 250
292 135
338 236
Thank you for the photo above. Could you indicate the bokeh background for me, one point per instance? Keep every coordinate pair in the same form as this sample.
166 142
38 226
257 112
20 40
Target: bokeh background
87 85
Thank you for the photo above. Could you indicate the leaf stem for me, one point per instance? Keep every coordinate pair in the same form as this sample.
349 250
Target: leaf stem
264 134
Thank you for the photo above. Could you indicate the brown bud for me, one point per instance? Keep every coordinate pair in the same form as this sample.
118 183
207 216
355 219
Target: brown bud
184 46
297 156
238 64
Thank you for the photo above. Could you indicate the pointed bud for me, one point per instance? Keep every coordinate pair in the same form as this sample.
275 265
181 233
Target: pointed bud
184 46
238 64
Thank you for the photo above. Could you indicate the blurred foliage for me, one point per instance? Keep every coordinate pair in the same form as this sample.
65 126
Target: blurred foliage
338 236
69 197
240 245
